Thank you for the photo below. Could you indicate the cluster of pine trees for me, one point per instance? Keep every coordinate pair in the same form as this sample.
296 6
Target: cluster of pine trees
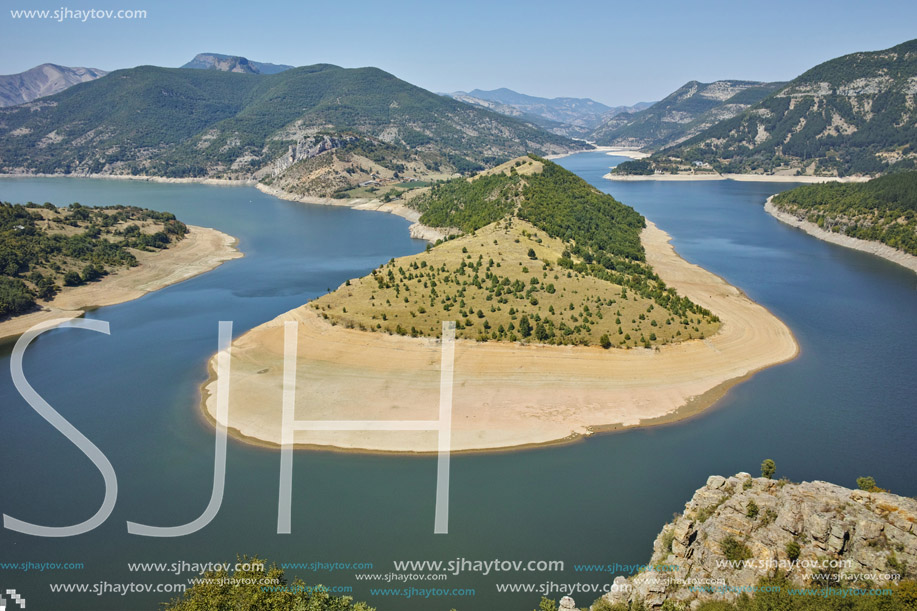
883 209
44 247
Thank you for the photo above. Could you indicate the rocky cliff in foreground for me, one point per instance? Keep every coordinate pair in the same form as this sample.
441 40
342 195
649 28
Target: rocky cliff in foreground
736 530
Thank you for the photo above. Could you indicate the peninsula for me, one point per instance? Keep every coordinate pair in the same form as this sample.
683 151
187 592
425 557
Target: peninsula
573 314
878 217
59 262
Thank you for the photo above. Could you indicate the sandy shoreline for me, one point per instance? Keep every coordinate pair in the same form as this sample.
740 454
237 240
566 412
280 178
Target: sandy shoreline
874 248
505 395
417 230
162 179
610 150
736 177
202 250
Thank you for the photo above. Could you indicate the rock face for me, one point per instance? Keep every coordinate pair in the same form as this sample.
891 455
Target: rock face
829 120
689 110
736 530
233 63
41 81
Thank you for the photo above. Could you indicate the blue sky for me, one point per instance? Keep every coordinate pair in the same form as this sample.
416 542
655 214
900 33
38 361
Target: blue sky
614 52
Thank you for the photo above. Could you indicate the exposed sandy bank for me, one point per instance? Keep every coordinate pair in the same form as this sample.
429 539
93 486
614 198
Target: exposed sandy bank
874 248
162 179
611 150
737 177
505 395
418 230
617 152
202 250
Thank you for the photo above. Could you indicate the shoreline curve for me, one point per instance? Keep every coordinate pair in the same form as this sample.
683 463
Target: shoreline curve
778 178
872 247
506 396
202 250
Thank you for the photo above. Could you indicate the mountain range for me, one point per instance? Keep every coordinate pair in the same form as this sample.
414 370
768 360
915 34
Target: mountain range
327 131
41 81
687 111
574 117
273 127
853 115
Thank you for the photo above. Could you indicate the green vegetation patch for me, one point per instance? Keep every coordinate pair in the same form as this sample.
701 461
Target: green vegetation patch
637 167
257 586
546 258
883 209
44 247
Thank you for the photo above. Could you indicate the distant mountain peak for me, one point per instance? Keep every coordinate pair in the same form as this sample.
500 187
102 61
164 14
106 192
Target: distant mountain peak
851 115
687 111
41 81
572 117
233 63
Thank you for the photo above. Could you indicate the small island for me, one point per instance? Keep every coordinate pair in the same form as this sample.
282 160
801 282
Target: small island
573 315
879 216
58 262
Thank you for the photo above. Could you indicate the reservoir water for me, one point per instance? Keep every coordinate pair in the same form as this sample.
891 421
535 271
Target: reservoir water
844 408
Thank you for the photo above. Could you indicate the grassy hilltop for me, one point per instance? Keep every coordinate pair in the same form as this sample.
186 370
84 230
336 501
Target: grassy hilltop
542 257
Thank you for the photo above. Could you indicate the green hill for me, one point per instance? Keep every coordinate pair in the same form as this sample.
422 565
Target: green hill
542 257
687 111
853 115
883 209
194 123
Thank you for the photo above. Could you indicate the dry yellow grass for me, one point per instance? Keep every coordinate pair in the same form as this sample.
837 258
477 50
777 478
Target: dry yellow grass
489 283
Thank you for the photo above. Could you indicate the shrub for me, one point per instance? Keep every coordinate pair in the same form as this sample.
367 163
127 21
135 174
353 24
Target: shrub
734 550
792 551
72 278
868 484
768 468
547 604
751 510
668 537
220 592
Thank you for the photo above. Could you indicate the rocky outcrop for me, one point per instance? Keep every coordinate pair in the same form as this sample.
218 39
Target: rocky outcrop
306 148
736 530
233 63
684 113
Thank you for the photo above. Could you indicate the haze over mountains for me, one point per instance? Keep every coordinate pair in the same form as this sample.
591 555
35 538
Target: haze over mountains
689 110
574 117
851 115
43 80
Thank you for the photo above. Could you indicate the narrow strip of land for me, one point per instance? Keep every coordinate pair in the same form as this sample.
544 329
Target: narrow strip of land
200 251
874 248
780 178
